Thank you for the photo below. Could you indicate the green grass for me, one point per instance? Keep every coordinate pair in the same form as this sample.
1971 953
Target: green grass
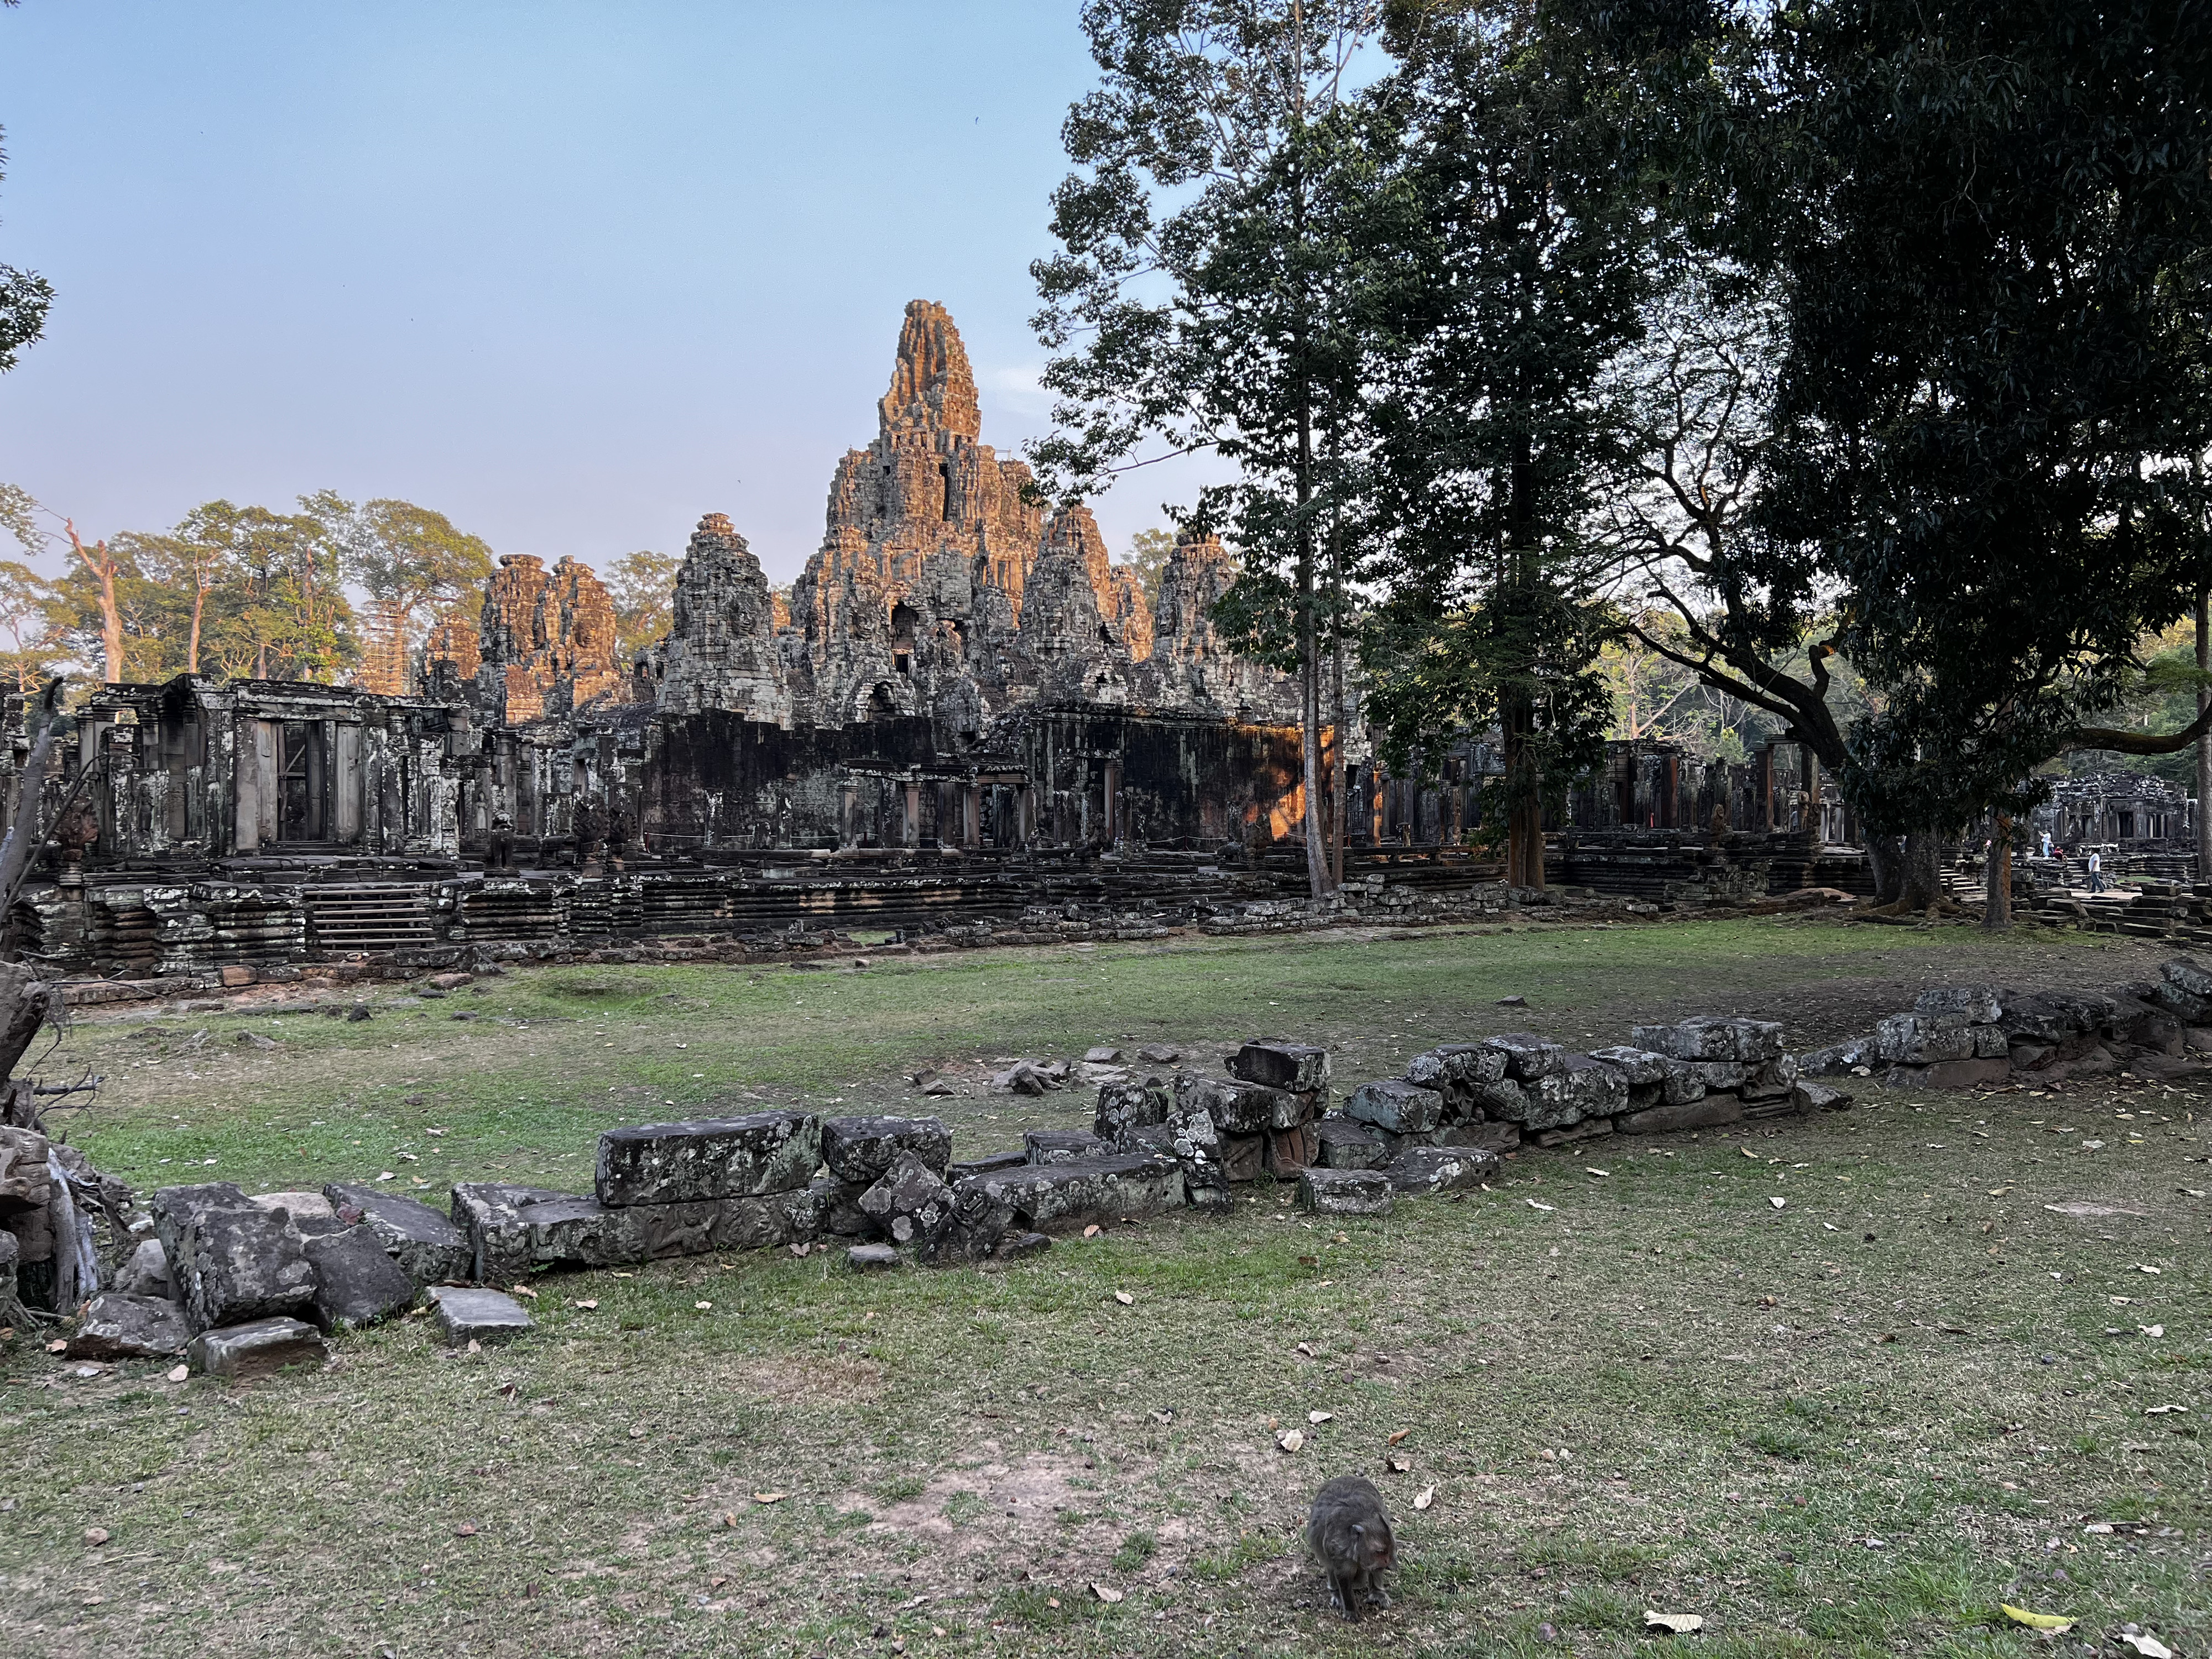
1660 1392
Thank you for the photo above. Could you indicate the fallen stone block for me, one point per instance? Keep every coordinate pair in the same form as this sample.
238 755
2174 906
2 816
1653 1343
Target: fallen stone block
1239 1107
1440 1169
233 1262
1709 1112
489 1213
2183 1004
1840 1059
298 1206
1950 1074
1589 1128
1401 1108
1977 1005
1768 1080
1105 1054
24 1177
119 1326
1016 1247
1243 1157
356 1282
1479 1137
1713 1036
956 1173
838 1204
2186 974
873 1259
1922 1039
1527 1056
1581 1088
1345 1192
1130 1104
1638 1067
1297 1066
1063 1146
1047 1197
568 1230
860 1149
465 1314
145 1273
909 1202
1720 1074
1344 1142
711 1157
1456 1065
1287 1151
430 1249
255 1348
1159 1054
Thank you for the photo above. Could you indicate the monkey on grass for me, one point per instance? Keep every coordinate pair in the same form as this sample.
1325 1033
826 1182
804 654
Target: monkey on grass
1349 1534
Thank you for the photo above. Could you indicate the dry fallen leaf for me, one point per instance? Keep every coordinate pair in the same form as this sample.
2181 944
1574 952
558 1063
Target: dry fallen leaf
702 1306
1305 1348
1092 1230
1319 1418
2149 1646
770 1497
1290 1440
1398 1436
1777 1203
1125 1298
2152 1330
466 1530
587 1303
57 1347
1423 1499
1052 1601
178 1373
2145 1268
1588 1170
1394 1464
525 1290
1748 1153
1681 1623
2161 1411
1533 1205
96 1536
1106 1593
2049 1621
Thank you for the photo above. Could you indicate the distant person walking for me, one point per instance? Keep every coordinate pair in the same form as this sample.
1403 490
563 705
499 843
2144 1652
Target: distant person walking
2046 843
2096 872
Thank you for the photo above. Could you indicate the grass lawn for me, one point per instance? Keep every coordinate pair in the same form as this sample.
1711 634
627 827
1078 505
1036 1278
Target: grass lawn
1855 1422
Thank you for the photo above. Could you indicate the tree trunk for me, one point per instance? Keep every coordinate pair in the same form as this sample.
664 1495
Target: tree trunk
1924 878
192 650
2203 738
1997 911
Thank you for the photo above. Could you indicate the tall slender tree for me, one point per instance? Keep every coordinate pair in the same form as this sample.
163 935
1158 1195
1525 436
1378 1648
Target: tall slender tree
1206 295
411 562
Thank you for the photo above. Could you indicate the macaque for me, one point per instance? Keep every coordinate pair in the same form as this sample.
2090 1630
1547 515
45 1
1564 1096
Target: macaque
1349 1534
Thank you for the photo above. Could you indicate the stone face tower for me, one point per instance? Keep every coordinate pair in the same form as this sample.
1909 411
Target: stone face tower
721 647
546 640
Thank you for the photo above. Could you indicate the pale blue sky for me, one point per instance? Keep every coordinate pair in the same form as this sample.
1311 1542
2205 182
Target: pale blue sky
573 273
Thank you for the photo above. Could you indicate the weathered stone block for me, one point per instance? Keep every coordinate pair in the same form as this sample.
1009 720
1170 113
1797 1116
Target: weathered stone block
233 1262
1720 1074
2183 1004
579 1231
1049 1196
1840 1059
1242 1158
1344 1142
1288 1151
1768 1080
1399 1107
1456 1065
1638 1067
1713 1036
1480 1137
873 1259
255 1348
1975 1005
486 1317
1989 1041
24 1178
119 1326
489 1213
145 1273
1345 1192
1133 1103
1581 1088
2188 974
1922 1039
1820 1098
1967 1073
910 1201
1526 1055
860 1149
1063 1146
1707 1113
356 1283
709 1157
995 1162
1241 1108
1297 1066
1440 1169
1504 1099
838 1204
429 1247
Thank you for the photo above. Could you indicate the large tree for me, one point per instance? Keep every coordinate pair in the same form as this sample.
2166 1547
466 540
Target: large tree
25 297
1990 224
1204 298
642 586
411 562
1535 236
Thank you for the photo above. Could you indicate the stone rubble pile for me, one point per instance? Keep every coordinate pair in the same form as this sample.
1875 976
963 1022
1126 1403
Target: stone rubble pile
240 1283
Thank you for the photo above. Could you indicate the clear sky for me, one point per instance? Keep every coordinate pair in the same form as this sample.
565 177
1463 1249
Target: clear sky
574 274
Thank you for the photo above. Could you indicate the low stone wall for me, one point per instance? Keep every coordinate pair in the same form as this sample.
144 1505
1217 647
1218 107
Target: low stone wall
241 1283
